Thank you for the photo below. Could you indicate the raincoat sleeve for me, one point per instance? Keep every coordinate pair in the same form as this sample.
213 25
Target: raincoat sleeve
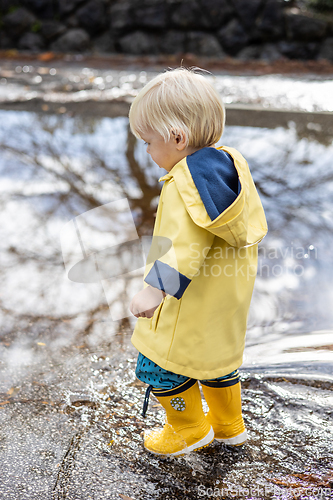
190 244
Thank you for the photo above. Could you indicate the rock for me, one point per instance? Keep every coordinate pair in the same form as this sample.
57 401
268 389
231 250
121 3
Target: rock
52 29
5 42
92 16
17 22
139 43
242 28
31 41
67 6
304 27
204 44
75 40
326 50
188 14
36 5
173 42
104 44
270 23
249 53
233 37
121 17
4 6
45 9
217 13
72 22
269 52
151 16
298 50
247 11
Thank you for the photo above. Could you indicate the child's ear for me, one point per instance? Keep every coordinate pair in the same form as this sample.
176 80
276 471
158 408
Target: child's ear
180 139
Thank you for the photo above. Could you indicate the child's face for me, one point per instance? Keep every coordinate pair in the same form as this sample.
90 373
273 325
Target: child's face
165 154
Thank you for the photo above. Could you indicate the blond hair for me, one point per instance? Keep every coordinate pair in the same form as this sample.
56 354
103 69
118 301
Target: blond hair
179 100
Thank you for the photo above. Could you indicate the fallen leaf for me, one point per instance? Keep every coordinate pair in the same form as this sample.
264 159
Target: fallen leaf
41 343
124 497
313 479
11 53
305 480
13 391
46 56
4 402
43 70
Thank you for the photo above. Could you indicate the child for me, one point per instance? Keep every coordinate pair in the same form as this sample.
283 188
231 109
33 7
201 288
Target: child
193 310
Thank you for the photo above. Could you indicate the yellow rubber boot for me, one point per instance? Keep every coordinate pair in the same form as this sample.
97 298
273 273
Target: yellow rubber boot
186 428
225 413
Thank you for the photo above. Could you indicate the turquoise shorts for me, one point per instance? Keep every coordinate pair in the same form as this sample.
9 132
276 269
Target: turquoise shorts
150 373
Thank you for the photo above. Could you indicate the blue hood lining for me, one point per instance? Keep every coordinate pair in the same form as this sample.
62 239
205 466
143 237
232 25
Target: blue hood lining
216 179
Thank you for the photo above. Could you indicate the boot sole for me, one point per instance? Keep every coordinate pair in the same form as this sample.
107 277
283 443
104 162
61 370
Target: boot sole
234 441
209 438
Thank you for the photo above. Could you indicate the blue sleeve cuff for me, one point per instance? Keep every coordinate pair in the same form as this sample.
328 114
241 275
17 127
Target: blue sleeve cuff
167 279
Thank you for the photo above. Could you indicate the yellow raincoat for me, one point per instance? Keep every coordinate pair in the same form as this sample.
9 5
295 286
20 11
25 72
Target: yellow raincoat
199 329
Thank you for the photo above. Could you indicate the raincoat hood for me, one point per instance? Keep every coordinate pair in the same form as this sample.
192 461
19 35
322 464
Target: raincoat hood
243 223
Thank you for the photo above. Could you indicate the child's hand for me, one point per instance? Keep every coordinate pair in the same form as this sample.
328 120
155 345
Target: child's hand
145 302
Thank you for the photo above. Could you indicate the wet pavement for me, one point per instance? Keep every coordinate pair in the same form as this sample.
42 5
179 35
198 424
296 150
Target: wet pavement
70 406
55 82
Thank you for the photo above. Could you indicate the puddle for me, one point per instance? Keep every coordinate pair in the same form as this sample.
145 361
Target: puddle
70 406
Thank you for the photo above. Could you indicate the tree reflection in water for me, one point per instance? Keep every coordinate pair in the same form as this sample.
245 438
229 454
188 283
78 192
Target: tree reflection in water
55 167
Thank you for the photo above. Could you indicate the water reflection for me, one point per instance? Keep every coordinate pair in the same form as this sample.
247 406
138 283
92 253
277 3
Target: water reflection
54 168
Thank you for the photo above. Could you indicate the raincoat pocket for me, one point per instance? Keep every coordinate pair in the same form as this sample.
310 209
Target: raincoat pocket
156 316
